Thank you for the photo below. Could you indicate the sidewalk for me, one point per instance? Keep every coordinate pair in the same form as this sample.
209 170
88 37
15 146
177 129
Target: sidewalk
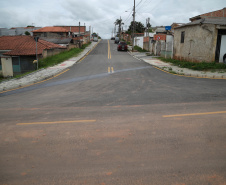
43 74
175 69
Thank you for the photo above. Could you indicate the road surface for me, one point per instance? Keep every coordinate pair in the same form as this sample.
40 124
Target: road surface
113 119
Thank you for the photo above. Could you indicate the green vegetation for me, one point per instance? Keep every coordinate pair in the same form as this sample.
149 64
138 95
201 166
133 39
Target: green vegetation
53 60
128 43
139 28
27 33
58 58
202 66
139 49
85 45
1 78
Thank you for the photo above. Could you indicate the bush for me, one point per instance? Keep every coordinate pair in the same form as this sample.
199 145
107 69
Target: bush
139 49
58 58
85 45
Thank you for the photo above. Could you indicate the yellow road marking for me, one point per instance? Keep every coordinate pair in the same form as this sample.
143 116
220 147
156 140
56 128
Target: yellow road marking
110 70
48 78
194 114
55 122
109 50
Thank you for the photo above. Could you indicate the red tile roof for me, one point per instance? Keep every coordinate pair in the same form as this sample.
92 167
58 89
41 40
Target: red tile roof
24 45
51 29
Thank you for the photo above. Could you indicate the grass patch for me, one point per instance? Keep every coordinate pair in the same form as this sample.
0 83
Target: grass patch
85 45
139 49
128 43
202 66
1 78
22 75
53 60
58 58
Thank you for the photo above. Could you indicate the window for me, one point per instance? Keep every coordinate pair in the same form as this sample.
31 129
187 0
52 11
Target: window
182 37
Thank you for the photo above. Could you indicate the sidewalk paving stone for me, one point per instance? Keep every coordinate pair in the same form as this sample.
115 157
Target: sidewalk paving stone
168 67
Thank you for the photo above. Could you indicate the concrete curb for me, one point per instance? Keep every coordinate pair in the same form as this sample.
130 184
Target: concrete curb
44 74
175 70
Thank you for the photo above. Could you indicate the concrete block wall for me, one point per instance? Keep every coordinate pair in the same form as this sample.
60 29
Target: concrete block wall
199 43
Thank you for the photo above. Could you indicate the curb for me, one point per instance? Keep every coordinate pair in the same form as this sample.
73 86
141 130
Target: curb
173 72
189 75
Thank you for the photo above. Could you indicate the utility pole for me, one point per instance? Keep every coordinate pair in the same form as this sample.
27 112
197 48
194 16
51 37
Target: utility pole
148 33
133 25
120 23
89 33
79 36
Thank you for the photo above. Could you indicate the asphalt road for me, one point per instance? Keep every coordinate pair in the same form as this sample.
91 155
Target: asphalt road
112 119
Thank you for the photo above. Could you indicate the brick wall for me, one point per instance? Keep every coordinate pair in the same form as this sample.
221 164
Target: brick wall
218 13
160 37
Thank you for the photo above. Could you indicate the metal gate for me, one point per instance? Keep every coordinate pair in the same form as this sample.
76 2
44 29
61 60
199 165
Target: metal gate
16 64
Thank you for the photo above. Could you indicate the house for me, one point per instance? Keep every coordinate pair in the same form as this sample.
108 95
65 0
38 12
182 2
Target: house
202 39
17 53
52 32
75 30
80 32
218 13
64 35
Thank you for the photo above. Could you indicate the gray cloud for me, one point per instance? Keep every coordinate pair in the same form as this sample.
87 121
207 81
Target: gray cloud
101 14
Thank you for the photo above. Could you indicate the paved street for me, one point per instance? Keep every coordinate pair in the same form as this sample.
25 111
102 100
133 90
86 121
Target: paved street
113 119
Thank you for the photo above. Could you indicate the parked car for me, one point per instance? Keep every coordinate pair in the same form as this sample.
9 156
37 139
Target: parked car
112 38
116 40
122 46
95 39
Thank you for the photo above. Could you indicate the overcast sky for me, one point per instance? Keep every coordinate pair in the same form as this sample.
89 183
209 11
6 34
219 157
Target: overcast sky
101 14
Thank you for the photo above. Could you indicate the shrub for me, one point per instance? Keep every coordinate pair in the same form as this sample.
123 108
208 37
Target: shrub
195 65
58 58
139 49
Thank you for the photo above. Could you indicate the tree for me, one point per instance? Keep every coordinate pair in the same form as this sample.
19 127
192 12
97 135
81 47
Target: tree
27 33
119 23
94 35
139 28
149 29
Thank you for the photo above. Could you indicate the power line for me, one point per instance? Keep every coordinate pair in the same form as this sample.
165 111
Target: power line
142 6
139 3
128 16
